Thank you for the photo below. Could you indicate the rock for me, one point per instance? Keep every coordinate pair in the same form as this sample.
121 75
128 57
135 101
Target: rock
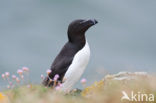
126 76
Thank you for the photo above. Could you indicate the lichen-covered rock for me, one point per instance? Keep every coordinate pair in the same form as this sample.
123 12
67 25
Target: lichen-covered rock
121 81
126 76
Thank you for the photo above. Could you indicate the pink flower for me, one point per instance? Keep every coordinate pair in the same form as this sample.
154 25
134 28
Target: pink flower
42 76
3 76
57 88
7 74
25 69
49 71
17 80
19 71
56 77
14 77
60 85
83 81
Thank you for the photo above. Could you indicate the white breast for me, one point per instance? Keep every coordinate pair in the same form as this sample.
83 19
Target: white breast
76 68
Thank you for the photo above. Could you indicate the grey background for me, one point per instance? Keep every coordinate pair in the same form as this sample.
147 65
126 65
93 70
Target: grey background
32 32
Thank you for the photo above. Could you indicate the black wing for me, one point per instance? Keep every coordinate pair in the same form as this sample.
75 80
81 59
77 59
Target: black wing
62 62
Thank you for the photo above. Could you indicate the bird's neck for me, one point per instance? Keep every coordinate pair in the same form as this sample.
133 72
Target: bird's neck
79 39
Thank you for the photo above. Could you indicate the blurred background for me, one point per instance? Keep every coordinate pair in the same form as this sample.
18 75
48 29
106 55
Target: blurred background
32 32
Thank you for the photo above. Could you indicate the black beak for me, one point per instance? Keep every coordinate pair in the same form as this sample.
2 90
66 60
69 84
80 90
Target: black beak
90 22
93 21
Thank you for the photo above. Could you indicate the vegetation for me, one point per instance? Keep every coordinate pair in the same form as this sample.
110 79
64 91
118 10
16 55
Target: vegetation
108 90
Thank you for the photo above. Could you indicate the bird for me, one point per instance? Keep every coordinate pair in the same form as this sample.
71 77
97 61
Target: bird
73 58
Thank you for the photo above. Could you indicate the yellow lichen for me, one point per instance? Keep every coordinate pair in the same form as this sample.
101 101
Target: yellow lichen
97 86
3 98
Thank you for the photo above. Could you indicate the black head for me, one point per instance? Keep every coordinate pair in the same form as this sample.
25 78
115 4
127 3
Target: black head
77 29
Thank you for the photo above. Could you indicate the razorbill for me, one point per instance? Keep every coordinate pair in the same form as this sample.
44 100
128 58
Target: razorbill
72 60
